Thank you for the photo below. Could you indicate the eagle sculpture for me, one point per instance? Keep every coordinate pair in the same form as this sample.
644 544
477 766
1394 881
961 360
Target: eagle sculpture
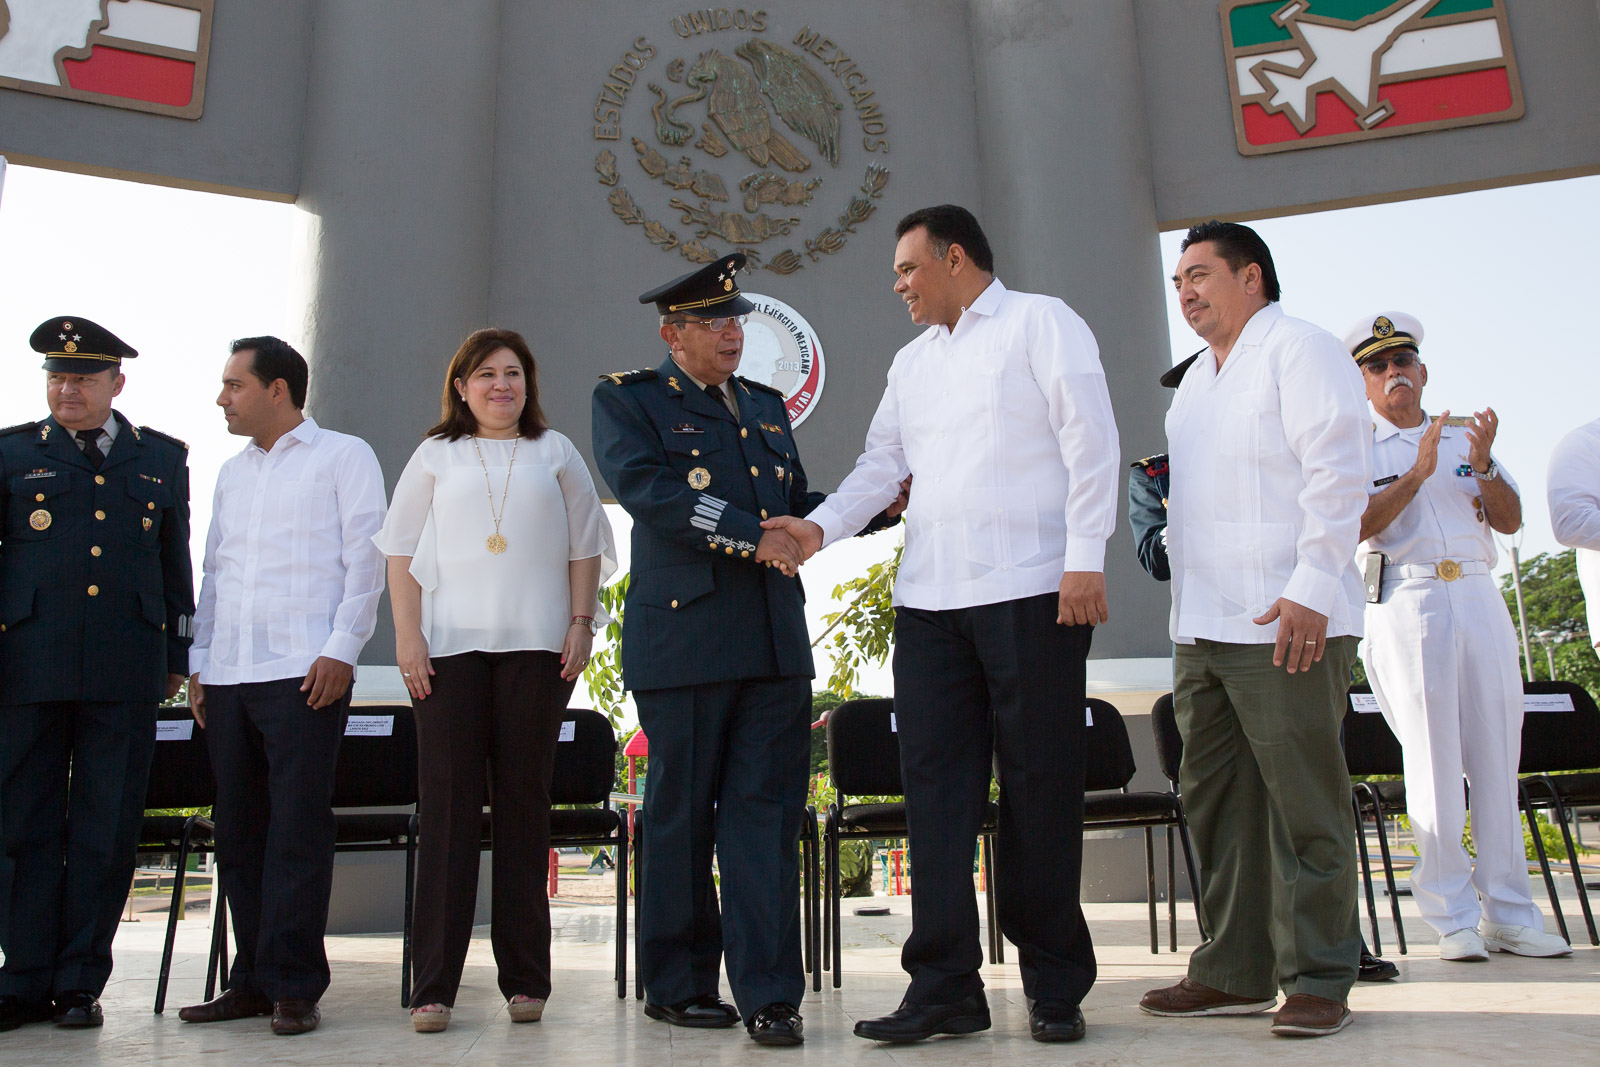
735 105
801 98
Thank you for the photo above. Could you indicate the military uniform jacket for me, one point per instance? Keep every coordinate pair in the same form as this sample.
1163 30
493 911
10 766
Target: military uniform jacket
1147 513
96 589
698 483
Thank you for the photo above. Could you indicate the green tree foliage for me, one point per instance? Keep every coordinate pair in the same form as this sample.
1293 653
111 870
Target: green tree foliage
603 675
1554 602
863 632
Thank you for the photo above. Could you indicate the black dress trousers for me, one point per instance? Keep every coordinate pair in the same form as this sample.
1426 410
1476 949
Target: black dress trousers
274 758
69 837
1001 683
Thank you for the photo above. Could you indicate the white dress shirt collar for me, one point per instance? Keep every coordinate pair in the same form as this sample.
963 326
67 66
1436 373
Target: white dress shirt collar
305 431
1383 429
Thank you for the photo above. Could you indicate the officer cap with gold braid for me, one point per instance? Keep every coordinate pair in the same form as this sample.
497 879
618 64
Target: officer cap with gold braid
1379 333
71 344
708 293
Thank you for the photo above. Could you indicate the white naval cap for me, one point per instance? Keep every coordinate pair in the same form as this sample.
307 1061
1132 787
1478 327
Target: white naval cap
1387 329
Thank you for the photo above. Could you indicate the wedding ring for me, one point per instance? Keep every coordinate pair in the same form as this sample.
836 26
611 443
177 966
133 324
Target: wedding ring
405 674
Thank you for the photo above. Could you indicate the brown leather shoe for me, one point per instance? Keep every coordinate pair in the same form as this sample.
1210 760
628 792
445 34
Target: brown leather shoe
1190 998
295 1015
233 1004
1304 1015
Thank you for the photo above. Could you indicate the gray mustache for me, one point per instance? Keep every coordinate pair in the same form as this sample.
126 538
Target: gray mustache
1396 382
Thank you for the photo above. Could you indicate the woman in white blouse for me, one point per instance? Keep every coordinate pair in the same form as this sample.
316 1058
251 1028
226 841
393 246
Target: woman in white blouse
497 545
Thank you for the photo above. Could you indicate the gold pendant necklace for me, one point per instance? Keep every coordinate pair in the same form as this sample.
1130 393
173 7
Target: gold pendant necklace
495 543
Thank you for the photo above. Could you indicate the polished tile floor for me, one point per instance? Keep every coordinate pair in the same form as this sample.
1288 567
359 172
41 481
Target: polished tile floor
1508 1010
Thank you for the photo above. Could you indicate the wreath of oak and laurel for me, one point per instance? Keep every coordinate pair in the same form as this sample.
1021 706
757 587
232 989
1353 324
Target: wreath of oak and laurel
741 99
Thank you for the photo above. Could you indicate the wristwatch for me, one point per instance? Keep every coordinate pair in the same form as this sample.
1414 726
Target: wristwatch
587 620
1489 475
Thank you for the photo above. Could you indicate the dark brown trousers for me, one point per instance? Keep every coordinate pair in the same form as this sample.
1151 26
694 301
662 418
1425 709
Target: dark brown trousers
488 730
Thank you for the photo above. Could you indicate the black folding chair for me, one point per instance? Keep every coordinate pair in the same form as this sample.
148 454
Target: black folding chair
864 760
1109 805
377 770
585 774
180 777
1169 757
1370 748
1565 738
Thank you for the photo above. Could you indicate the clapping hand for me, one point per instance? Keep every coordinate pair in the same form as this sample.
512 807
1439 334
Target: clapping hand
1481 434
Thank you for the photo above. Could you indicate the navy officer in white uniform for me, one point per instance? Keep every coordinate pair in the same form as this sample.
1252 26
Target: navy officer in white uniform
1440 650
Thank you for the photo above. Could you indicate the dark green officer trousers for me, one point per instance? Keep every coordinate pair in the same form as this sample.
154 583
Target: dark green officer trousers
1268 799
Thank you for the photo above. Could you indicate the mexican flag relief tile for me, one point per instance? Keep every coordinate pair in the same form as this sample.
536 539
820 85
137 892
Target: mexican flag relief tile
148 55
1305 73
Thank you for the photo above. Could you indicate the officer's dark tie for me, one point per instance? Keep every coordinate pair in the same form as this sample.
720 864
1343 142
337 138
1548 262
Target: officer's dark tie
91 446
715 393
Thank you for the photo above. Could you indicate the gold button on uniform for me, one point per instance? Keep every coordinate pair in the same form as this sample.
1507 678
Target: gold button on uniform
94 590
694 451
100 515
39 497
99 479
95 551
674 603
744 432
151 505
729 550
763 513
754 471
744 555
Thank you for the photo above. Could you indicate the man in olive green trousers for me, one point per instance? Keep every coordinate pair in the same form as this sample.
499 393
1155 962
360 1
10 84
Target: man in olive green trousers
1270 452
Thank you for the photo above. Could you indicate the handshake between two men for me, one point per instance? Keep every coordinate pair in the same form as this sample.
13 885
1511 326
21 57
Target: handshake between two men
791 540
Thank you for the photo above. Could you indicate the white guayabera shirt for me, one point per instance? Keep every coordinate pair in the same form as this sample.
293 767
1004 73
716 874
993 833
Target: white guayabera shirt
290 571
1006 423
1574 497
1271 458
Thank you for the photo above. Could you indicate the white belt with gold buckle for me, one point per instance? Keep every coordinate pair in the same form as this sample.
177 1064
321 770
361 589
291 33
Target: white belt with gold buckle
1446 570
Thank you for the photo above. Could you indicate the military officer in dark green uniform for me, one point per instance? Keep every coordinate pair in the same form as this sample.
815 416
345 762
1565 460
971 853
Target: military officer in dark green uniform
96 600
716 652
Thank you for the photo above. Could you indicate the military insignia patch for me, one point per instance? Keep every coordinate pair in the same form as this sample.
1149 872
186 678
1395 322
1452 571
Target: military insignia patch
147 524
40 520
699 478
1382 327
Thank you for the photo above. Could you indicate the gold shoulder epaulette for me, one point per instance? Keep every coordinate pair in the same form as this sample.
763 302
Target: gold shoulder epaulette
1144 464
165 437
752 383
628 377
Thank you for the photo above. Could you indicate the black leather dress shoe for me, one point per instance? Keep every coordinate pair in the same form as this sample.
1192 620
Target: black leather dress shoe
1375 968
295 1015
76 1008
709 1012
776 1024
914 1022
15 1012
1055 1020
233 1004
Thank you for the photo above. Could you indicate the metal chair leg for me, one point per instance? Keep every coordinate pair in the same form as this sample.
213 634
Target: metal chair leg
1366 874
1560 810
997 935
1194 880
410 907
1544 861
1150 889
638 896
1172 888
621 907
835 897
1388 873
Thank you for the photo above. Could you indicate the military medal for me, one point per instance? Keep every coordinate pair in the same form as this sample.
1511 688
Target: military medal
495 542
39 520
699 478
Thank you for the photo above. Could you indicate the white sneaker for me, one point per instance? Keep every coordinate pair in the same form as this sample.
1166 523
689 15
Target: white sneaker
1522 940
1462 946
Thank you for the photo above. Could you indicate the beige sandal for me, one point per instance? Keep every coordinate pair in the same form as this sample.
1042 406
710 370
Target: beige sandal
430 1018
524 1009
